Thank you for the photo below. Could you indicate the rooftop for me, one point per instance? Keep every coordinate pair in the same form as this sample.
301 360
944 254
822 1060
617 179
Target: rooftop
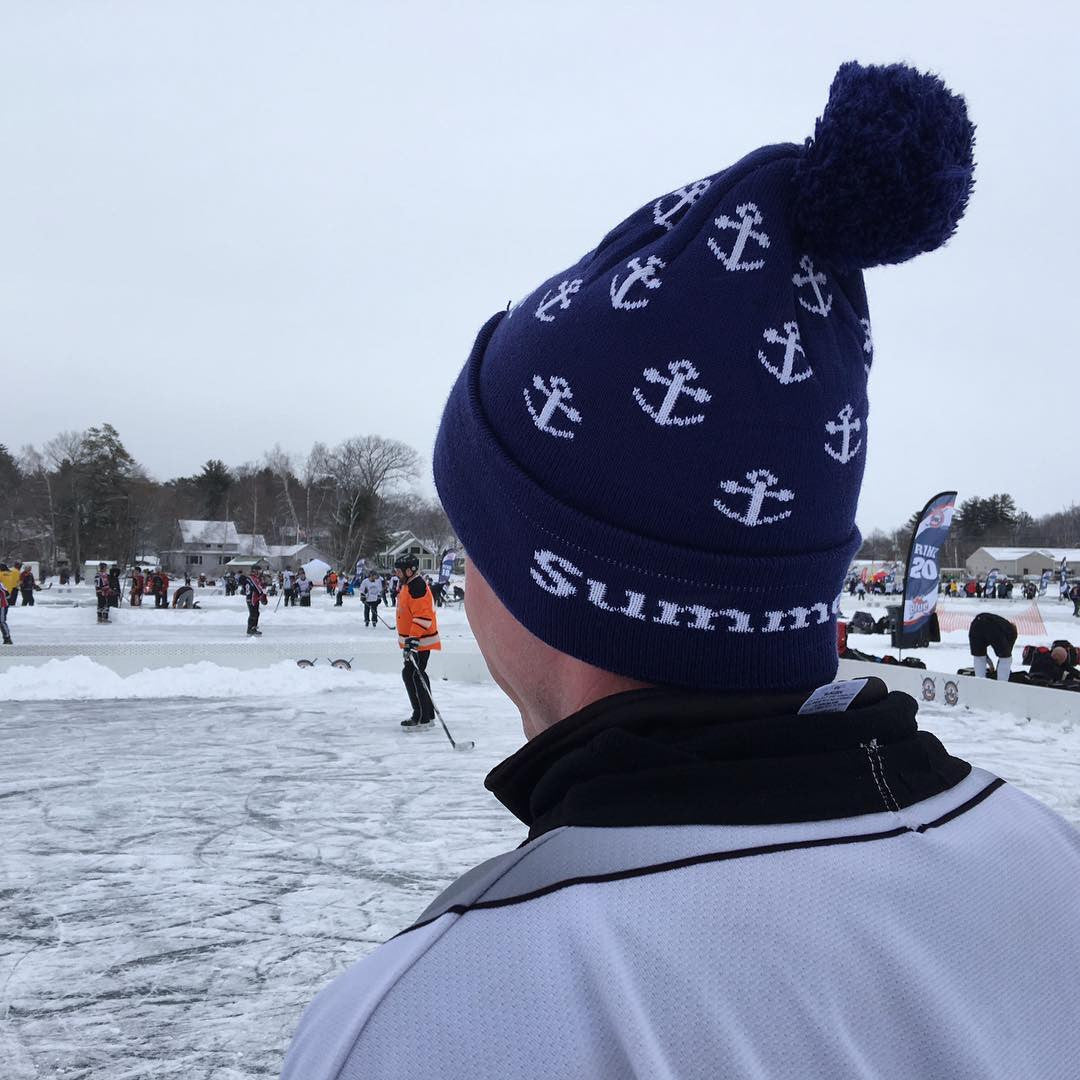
207 532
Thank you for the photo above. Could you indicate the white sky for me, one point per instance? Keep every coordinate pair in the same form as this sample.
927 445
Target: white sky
227 224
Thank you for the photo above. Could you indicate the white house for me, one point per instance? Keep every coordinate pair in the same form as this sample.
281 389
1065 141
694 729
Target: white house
201 547
253 546
1018 562
403 543
295 555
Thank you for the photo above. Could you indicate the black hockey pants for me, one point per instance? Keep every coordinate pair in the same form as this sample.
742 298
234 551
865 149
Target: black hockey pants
988 629
419 696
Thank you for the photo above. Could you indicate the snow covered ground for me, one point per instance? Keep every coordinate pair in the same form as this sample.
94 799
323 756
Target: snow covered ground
190 853
65 616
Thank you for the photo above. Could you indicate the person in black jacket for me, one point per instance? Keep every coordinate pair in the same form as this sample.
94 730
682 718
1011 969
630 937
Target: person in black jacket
1053 666
103 591
114 587
988 630
255 594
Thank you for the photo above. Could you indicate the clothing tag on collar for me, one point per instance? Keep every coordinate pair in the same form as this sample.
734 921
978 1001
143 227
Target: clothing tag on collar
835 697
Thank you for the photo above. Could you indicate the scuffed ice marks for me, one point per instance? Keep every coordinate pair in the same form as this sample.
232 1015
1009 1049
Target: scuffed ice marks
179 879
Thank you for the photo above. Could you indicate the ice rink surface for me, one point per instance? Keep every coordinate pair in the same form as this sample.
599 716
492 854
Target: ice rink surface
180 874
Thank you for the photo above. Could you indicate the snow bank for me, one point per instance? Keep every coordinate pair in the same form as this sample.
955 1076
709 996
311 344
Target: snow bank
81 679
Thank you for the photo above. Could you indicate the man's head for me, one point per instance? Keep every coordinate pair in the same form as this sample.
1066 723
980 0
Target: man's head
406 567
1059 654
372 576
675 427
101 566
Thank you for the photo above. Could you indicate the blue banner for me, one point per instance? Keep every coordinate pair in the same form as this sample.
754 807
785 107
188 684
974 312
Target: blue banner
447 566
923 564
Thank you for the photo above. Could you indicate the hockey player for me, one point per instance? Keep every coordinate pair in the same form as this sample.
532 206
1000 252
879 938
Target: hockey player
9 578
988 629
103 591
734 866
184 597
28 586
395 588
138 584
255 594
115 589
418 635
371 592
303 588
342 587
159 587
4 632
287 586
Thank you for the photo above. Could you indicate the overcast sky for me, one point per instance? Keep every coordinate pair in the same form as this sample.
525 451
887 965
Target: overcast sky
226 224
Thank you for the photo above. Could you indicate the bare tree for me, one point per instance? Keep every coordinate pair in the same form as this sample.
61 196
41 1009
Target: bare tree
362 471
32 463
280 464
431 525
64 453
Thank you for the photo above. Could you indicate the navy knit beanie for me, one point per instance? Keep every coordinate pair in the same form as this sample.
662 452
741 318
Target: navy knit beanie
654 458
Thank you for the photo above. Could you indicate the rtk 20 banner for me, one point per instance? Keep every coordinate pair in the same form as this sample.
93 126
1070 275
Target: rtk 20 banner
923 565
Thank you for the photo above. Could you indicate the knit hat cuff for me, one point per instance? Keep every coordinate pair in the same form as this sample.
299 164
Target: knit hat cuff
628 603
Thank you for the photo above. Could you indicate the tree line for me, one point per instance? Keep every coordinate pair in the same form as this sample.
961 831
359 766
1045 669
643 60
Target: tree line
81 495
990 521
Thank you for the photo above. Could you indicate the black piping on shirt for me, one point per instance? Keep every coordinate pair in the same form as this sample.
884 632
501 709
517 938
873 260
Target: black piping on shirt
710 857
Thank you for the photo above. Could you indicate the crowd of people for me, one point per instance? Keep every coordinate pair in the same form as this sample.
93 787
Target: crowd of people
992 587
256 585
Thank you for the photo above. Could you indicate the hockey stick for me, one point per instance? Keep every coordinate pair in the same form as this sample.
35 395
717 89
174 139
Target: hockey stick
456 745
469 744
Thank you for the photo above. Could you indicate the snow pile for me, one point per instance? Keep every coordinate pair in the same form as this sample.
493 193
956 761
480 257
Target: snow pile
81 679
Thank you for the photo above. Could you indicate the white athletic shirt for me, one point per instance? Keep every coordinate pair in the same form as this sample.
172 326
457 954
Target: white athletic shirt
371 590
887 946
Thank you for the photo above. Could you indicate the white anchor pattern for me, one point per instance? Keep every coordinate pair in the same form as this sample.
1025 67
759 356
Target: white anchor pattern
740 243
748 217
844 425
561 297
645 274
682 372
759 487
684 197
790 340
557 391
822 304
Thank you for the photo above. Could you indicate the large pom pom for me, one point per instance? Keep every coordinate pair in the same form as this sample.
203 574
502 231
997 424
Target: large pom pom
889 170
